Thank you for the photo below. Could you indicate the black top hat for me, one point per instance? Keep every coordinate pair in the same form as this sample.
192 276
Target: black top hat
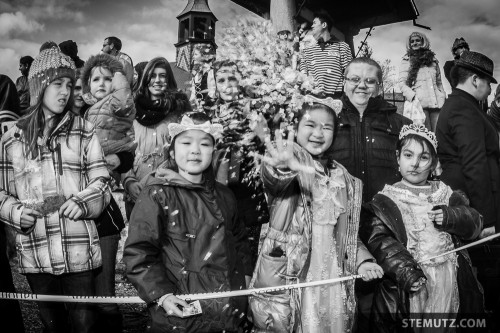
478 63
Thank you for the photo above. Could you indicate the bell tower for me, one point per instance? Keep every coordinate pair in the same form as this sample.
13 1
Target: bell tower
196 26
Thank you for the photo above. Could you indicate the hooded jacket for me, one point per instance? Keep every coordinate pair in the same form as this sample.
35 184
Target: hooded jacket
56 244
366 145
113 115
383 231
186 238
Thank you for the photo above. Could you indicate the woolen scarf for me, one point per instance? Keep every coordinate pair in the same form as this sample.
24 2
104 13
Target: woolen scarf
418 58
148 112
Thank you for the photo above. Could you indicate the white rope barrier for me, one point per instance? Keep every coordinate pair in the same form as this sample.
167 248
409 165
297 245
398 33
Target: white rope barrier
484 240
189 297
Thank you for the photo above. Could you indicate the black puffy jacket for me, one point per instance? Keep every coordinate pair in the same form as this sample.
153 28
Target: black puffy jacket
383 231
186 238
366 146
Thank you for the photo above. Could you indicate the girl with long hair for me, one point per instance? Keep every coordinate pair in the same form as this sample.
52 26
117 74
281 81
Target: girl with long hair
158 103
420 78
54 182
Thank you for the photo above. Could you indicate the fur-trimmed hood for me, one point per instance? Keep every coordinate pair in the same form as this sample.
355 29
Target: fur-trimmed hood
99 60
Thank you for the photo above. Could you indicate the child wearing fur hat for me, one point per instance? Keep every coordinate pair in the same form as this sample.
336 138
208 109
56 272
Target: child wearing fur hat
407 227
111 109
185 237
54 182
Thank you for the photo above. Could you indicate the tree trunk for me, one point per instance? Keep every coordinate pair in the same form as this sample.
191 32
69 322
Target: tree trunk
282 13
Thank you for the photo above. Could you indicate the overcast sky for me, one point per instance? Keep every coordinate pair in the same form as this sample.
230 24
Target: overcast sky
148 28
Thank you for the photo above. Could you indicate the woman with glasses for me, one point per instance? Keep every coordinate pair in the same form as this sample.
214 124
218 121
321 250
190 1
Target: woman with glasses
158 103
420 78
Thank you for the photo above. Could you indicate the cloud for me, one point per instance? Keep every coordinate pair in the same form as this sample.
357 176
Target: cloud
15 24
476 21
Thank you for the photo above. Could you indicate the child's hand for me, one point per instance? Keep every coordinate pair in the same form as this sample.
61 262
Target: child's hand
418 284
370 271
487 232
28 217
170 306
436 216
112 161
282 156
71 210
134 189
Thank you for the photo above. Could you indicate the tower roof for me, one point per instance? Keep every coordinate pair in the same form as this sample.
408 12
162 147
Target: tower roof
199 6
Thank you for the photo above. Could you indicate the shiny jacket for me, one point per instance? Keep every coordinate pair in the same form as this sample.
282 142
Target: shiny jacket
290 228
383 231
186 238
113 116
366 146
55 244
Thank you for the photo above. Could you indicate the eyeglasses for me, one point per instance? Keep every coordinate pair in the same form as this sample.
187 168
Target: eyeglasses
355 81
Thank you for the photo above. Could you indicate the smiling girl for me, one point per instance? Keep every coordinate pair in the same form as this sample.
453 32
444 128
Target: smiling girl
185 237
53 183
312 235
411 221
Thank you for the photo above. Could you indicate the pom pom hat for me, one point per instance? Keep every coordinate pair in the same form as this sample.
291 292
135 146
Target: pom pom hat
49 65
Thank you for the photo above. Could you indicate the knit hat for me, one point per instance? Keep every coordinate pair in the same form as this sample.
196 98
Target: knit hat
49 65
478 63
459 43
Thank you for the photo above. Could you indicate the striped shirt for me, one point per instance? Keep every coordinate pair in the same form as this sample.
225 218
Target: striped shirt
55 244
327 66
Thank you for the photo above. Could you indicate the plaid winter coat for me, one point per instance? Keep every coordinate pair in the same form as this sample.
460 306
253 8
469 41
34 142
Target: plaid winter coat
55 244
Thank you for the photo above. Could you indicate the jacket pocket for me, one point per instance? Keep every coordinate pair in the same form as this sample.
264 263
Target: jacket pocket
272 314
270 271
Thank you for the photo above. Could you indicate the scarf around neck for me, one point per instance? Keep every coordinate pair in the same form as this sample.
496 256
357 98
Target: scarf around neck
148 112
419 58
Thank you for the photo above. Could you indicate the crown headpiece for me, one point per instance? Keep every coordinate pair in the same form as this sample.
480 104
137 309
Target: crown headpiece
334 104
419 130
186 124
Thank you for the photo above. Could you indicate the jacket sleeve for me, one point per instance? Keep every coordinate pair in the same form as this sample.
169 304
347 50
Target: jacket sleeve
122 101
398 264
10 207
242 245
126 161
96 196
439 80
471 151
276 180
408 93
143 249
304 63
460 219
362 254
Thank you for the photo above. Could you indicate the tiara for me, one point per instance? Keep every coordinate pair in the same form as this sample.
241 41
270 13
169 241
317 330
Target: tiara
419 130
334 104
186 124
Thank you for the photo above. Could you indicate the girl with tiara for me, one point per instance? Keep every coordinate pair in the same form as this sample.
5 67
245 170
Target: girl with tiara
405 227
312 235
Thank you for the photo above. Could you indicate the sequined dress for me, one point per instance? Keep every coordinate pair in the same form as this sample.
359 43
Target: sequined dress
323 308
440 294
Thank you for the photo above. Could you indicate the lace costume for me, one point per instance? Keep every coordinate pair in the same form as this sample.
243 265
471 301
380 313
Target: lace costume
323 308
440 294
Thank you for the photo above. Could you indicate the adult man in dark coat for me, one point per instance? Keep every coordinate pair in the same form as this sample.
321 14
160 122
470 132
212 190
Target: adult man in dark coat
469 154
